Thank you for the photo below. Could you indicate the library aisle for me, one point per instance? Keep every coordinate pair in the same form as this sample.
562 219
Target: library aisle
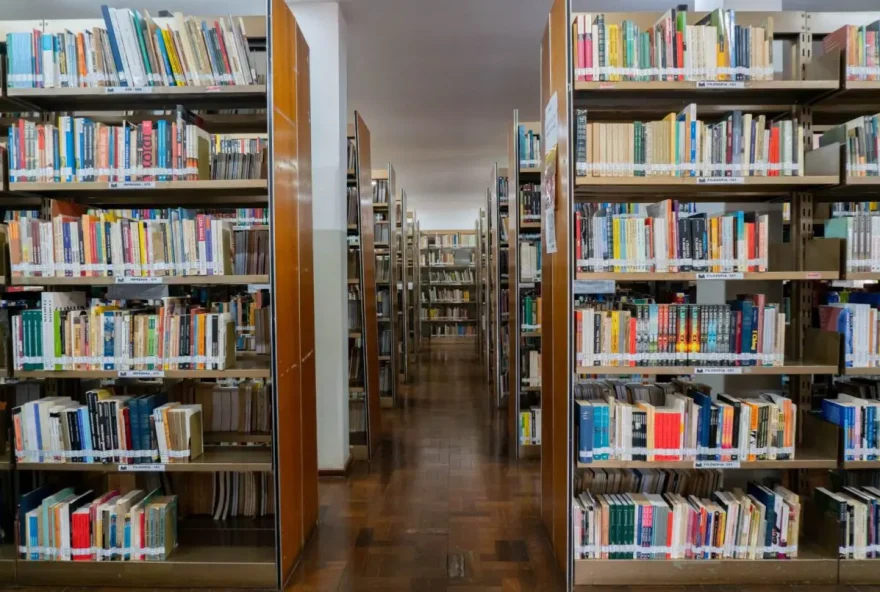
442 506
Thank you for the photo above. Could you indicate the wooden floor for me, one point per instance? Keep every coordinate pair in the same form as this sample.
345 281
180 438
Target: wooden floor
442 507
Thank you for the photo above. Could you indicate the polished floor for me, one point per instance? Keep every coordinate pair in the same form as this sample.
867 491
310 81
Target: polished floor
442 507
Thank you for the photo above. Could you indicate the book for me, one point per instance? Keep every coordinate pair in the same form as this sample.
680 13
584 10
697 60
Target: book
860 46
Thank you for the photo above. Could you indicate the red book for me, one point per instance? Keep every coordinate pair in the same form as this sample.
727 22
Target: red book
223 51
126 422
93 248
578 248
632 340
774 150
750 244
737 319
147 153
679 53
22 153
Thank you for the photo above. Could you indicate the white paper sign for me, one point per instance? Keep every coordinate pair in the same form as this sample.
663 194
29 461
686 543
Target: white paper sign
716 464
704 275
551 124
720 84
138 280
132 185
141 374
141 468
594 287
719 370
128 90
721 180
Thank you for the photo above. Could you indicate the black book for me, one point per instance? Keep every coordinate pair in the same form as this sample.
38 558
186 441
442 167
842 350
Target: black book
72 432
684 242
639 433
713 432
699 241
112 419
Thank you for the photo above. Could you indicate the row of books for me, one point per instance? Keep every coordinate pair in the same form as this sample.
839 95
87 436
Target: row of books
66 525
448 240
858 418
529 147
530 426
78 149
440 295
530 312
453 330
693 425
252 315
680 145
503 230
356 361
353 205
857 322
383 268
444 313
715 48
357 414
383 304
529 203
530 254
686 482
744 332
107 428
354 308
386 380
755 523
243 406
238 158
167 334
861 46
380 191
530 367
857 513
132 50
441 258
236 216
452 277
386 341
663 240
861 235
381 232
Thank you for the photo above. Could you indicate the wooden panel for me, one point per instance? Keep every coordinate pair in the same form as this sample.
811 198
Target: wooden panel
514 322
285 287
368 285
309 424
557 329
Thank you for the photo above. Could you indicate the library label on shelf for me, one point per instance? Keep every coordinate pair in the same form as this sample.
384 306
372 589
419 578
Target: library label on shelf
726 275
138 280
718 370
141 374
594 287
721 180
142 468
128 90
716 464
132 185
720 84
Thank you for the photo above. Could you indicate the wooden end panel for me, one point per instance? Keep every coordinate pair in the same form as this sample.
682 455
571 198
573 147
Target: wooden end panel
368 284
285 288
308 371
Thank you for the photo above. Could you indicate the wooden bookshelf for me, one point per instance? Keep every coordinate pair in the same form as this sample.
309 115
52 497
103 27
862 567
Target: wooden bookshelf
402 292
368 336
497 284
480 276
385 180
461 246
520 396
289 453
812 88
414 286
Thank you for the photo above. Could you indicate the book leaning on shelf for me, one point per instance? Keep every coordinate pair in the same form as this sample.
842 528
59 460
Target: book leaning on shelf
133 50
78 149
167 334
856 510
858 323
101 244
680 145
108 428
758 523
680 421
861 46
665 239
716 48
65 525
744 332
529 147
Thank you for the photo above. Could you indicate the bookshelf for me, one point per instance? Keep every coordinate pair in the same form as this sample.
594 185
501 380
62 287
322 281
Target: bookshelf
284 458
484 287
413 287
363 337
813 88
524 242
402 265
448 285
385 230
498 284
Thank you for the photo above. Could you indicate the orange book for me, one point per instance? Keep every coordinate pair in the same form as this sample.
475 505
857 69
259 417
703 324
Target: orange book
632 339
200 320
81 58
14 247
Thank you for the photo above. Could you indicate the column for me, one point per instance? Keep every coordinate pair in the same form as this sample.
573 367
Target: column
323 26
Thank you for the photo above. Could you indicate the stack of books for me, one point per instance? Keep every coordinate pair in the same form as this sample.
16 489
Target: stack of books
78 149
744 332
858 322
107 428
758 523
72 244
529 147
861 46
530 426
63 525
665 239
243 406
716 48
856 511
132 50
238 158
66 333
682 424
680 145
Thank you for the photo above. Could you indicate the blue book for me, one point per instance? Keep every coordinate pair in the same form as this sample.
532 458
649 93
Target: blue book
704 402
85 429
585 431
134 410
114 45
163 54
26 503
768 498
843 415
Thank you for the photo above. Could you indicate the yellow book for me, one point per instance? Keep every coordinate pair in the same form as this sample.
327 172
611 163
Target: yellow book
616 242
142 241
615 334
612 34
173 57
671 125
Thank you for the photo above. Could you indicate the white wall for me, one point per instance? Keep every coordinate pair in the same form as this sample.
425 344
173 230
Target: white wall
447 214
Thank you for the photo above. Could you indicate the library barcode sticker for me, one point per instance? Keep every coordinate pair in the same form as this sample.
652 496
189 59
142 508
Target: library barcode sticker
142 468
141 374
730 275
132 185
138 280
720 84
718 370
721 180
716 464
128 90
